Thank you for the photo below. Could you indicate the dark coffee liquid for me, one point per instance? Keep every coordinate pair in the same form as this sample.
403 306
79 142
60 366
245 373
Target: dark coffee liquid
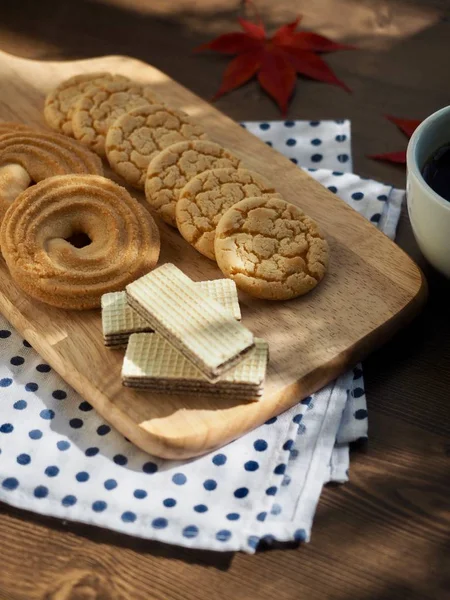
436 171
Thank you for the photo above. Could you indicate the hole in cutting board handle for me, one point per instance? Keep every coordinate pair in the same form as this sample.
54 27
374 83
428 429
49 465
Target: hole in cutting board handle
79 239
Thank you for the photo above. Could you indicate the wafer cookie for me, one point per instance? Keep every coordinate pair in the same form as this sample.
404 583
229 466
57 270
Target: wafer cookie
199 327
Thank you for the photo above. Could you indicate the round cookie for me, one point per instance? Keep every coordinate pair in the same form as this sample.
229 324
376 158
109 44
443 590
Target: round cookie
171 169
270 248
59 103
72 238
97 109
140 134
208 195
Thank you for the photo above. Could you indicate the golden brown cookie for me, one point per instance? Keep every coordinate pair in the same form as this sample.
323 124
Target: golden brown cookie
70 239
171 169
205 198
12 127
60 102
101 105
140 134
40 155
270 248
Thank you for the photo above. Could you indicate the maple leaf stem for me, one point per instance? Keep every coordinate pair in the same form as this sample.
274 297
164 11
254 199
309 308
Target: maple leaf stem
256 13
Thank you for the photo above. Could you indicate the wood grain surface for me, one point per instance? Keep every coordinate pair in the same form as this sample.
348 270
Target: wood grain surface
385 534
372 288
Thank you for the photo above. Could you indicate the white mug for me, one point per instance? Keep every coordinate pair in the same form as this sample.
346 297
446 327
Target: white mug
429 213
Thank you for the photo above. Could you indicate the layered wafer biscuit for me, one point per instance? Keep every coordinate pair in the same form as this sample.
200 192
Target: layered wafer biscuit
198 326
119 320
152 363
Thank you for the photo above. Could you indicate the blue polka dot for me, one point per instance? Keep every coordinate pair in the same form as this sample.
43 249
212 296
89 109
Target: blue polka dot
85 407
69 500
159 523
179 479
24 459
6 428
306 401
337 173
291 142
358 392
110 484
48 414
343 158
340 138
82 476
140 494
120 460
35 434
51 471
17 360
382 197
59 394
375 218
293 454
40 491
103 429
99 506
340 121
261 516
150 467
210 485
314 123
276 509
316 157
333 189
294 160
243 125
297 419
253 541
169 502
271 491
357 373
300 535
251 465
4 333
241 492
289 123
93 451
43 368
288 444
357 195
128 517
223 535
268 539
286 480
260 445
63 445
264 126
10 484
301 430
26 344
5 382
270 421
316 142
20 405
233 516
269 144
360 414
280 469
31 387
76 423
191 531
219 459
201 508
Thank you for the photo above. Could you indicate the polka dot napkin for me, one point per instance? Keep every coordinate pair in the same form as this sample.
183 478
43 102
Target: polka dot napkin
59 458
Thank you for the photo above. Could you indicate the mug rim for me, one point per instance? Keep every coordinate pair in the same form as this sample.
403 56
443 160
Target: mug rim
411 156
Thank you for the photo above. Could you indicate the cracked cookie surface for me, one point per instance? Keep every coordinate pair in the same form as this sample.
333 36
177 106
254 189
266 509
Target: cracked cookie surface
208 195
175 166
270 248
140 134
60 102
101 105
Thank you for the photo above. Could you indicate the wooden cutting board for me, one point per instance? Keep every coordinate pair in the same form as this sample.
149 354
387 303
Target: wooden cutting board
372 288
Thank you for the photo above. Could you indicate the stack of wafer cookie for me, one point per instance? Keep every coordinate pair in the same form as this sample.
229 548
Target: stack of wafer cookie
184 336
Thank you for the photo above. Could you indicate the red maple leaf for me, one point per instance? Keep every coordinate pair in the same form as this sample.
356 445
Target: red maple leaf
408 126
275 60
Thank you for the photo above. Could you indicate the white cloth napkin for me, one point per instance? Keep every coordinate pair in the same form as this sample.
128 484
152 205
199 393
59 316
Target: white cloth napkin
59 458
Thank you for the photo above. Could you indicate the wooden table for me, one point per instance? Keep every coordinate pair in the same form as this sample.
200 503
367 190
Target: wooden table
385 534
